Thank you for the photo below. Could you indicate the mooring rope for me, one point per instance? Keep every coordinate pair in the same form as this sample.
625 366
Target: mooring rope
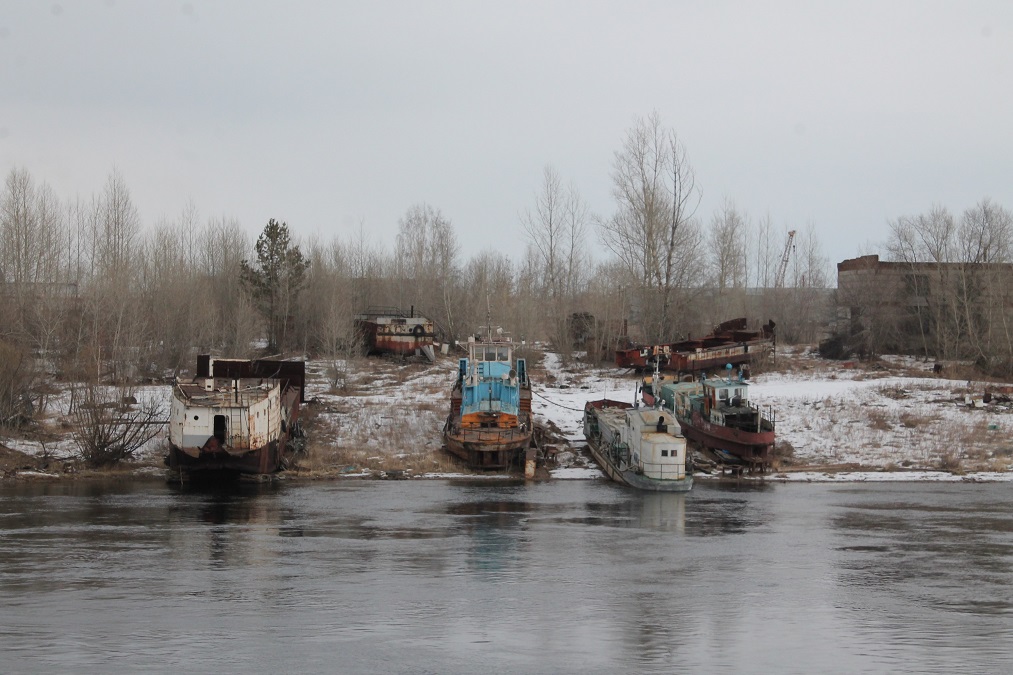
564 407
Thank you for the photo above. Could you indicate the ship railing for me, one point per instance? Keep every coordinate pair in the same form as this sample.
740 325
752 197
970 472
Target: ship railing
666 471
763 414
491 435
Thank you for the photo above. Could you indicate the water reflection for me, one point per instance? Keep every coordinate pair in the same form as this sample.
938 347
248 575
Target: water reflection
495 529
457 577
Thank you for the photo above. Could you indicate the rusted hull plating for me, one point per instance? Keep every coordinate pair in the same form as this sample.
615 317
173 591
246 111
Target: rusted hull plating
263 460
488 448
255 417
730 343
755 449
391 331
213 457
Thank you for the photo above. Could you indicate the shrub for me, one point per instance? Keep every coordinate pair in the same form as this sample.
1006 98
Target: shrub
17 380
108 431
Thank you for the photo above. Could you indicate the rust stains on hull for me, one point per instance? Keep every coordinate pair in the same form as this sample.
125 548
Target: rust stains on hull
236 416
390 330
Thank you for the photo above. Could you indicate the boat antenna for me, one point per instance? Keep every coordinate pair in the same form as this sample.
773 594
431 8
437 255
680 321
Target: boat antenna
488 318
654 383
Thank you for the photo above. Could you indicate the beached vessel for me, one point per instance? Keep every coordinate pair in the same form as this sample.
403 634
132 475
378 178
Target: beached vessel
716 413
730 342
236 416
640 447
390 330
489 425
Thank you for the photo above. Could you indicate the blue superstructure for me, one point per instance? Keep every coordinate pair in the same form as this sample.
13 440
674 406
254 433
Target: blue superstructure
489 382
489 425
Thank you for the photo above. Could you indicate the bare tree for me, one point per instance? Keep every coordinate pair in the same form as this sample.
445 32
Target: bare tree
726 245
557 228
426 256
652 233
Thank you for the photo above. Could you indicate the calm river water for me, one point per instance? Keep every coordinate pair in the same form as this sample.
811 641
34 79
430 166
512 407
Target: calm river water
464 577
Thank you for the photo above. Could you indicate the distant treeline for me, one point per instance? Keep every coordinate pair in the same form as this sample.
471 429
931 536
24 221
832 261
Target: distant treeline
90 292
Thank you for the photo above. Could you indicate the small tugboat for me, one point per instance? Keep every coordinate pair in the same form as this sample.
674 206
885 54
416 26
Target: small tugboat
235 417
489 425
716 413
640 447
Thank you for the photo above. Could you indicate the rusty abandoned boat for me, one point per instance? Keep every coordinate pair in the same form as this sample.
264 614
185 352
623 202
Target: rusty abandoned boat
716 413
730 342
390 330
236 416
640 447
489 425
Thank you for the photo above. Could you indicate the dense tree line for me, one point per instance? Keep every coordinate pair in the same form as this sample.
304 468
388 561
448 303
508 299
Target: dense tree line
92 294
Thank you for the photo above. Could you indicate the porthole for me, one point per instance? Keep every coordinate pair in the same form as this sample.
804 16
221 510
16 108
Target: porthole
196 417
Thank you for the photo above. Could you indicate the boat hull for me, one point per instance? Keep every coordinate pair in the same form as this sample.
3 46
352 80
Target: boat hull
729 343
597 431
631 478
492 449
189 461
752 448
237 417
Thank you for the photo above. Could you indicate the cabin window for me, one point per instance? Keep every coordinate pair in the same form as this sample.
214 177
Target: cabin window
664 453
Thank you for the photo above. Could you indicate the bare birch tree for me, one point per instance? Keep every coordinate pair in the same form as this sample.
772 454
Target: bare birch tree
557 228
652 232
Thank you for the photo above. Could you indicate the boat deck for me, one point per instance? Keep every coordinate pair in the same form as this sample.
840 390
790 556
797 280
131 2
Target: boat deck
225 393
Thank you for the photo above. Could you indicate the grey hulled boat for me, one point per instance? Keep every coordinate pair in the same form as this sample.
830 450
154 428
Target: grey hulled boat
639 447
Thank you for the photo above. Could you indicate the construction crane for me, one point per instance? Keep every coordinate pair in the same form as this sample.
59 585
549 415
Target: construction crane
783 266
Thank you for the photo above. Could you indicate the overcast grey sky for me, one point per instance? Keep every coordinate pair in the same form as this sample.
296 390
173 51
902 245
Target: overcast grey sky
328 114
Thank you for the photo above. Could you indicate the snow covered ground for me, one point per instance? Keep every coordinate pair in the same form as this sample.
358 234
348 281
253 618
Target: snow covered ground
858 423
894 420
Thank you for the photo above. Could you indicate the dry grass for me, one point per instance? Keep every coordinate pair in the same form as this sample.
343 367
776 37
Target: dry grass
913 421
784 454
951 463
879 420
388 416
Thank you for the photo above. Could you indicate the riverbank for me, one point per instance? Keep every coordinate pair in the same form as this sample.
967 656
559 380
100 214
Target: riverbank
893 419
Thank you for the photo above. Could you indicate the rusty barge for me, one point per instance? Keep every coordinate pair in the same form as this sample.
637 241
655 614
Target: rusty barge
730 342
236 416
489 425
390 330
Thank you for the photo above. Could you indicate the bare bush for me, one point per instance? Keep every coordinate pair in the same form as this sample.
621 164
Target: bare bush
879 420
17 377
108 431
784 453
949 462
